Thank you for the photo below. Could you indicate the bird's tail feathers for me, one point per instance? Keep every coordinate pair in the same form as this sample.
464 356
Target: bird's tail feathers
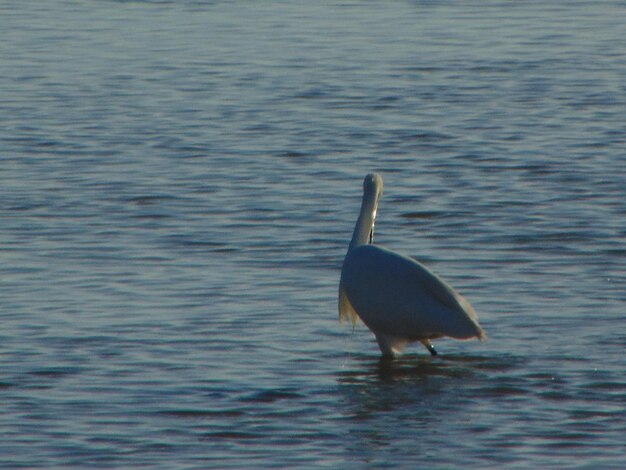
346 310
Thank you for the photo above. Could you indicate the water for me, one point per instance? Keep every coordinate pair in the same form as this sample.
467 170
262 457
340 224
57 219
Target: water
179 184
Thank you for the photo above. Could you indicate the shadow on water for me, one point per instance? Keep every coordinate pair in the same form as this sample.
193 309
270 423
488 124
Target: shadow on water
424 387
384 400
413 368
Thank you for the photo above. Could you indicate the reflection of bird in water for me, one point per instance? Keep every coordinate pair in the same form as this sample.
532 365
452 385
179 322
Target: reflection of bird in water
398 298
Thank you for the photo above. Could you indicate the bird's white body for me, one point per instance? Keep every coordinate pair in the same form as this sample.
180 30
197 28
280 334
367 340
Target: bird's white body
399 299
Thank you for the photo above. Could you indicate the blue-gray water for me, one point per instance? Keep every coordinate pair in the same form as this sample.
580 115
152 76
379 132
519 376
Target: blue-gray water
179 182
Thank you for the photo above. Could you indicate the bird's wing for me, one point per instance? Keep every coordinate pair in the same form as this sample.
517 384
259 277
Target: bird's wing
390 291
441 290
446 295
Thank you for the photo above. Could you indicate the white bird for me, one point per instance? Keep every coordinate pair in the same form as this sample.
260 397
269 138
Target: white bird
398 298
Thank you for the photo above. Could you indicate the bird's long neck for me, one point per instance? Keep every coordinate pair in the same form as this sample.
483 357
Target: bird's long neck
365 222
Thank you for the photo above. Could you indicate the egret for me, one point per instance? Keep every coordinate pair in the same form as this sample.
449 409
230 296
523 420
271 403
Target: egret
399 299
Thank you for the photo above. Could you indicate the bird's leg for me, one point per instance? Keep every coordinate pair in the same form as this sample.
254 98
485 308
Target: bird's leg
390 345
429 346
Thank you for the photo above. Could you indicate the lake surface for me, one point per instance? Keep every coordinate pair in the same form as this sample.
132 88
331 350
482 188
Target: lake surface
180 181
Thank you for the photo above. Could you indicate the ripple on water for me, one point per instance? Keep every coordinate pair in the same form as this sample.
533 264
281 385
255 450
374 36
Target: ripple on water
272 395
201 414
